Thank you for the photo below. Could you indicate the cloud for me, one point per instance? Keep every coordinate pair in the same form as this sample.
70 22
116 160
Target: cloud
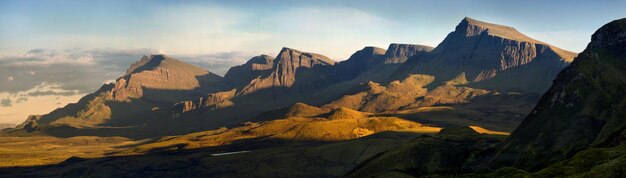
43 89
218 63
84 71
5 102
72 69
39 99
21 99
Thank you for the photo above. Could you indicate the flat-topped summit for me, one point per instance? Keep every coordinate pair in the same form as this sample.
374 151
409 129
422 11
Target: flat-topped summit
373 50
473 27
491 56
163 62
289 53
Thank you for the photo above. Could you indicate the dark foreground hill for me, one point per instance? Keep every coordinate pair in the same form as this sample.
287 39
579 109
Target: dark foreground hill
577 128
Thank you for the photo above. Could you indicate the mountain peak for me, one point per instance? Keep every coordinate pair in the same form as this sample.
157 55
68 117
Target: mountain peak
285 52
373 50
473 27
164 62
394 48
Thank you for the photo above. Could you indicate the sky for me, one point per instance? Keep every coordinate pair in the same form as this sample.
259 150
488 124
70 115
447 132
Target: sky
54 52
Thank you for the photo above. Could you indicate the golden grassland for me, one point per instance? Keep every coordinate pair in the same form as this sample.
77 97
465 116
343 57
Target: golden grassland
487 131
335 127
43 150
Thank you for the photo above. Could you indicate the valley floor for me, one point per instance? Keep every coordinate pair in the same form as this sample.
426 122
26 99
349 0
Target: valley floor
43 150
294 147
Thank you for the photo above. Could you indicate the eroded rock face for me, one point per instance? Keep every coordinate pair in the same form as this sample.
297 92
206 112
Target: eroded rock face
212 101
585 107
254 68
286 67
359 62
399 53
153 76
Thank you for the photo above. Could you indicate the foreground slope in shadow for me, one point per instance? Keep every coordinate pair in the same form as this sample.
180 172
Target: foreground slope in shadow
577 129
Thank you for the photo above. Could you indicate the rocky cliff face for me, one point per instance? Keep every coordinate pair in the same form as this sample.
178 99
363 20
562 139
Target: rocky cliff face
585 107
491 56
359 62
155 75
399 53
262 84
288 65
254 68
213 101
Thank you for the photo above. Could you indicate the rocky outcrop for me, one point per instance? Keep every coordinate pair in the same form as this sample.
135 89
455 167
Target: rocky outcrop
359 62
585 107
410 93
288 65
257 66
31 124
212 101
399 53
376 98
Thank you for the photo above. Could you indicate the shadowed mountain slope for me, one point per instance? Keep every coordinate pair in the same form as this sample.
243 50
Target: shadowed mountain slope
576 130
153 83
491 56
399 53
288 65
585 107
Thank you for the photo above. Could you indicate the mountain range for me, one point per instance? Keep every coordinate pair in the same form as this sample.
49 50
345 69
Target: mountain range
477 59
488 101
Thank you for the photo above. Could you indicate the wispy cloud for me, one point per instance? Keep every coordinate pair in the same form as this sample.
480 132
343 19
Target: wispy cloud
41 99
6 102
72 69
